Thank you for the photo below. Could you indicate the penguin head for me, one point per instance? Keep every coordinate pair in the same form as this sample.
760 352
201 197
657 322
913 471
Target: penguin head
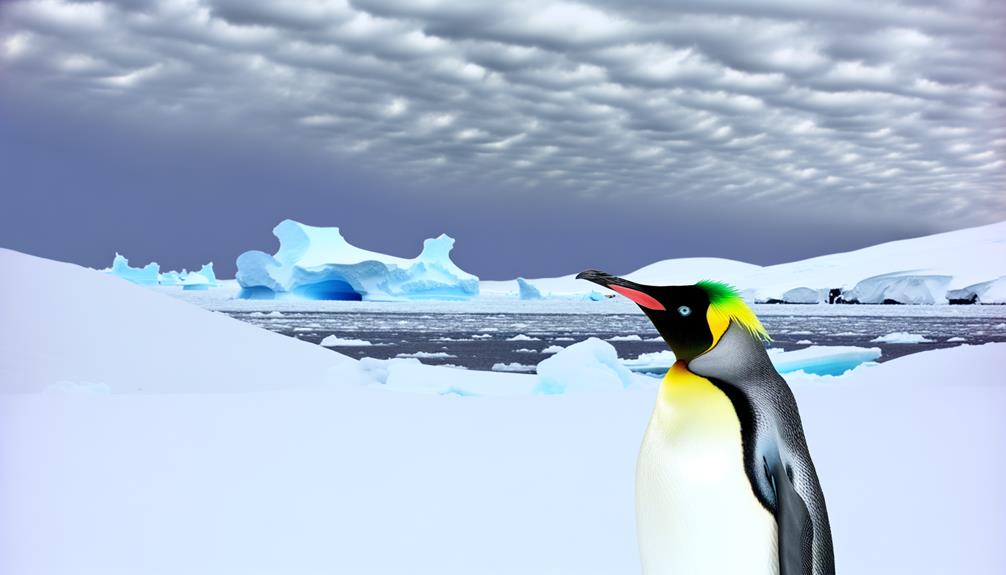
690 318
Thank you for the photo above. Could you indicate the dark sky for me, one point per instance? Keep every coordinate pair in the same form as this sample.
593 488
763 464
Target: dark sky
182 133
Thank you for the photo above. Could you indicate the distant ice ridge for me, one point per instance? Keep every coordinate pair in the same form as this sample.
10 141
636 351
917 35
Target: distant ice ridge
150 275
318 263
963 266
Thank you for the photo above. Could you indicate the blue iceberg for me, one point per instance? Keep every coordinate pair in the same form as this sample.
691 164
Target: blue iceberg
147 275
527 291
319 264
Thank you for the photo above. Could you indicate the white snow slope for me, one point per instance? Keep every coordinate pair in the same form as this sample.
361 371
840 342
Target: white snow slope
223 448
969 262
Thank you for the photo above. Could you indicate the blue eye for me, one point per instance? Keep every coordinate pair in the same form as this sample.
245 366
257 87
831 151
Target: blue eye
685 311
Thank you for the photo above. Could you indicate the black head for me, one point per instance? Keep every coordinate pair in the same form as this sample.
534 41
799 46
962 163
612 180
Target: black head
680 313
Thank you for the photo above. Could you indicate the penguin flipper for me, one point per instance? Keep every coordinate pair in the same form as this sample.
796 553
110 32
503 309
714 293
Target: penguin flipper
795 528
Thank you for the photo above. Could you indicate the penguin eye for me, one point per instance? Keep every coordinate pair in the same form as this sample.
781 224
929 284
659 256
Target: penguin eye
685 311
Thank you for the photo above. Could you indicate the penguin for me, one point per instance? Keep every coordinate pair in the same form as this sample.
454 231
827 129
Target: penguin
725 483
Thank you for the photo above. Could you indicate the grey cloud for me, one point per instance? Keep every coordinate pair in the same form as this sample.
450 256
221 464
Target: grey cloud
793 104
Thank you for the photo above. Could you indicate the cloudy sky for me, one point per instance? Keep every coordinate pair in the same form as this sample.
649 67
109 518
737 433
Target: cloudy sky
545 136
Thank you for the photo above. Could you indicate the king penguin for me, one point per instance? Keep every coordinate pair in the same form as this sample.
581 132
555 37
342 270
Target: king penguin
724 481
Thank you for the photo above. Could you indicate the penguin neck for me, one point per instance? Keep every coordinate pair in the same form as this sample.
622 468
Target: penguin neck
690 403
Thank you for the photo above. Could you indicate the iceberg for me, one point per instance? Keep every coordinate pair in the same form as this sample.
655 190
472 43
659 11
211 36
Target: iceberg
147 275
801 296
171 278
319 264
900 287
527 291
990 292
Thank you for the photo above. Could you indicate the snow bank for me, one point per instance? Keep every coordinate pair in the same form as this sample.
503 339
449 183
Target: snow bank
136 340
318 263
901 337
327 467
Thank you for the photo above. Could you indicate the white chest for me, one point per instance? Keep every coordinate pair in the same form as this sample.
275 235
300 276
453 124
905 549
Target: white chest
695 510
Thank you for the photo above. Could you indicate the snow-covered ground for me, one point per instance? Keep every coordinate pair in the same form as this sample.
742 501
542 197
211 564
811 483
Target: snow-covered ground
140 434
962 264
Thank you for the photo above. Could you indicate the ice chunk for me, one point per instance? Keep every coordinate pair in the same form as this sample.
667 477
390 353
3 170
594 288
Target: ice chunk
955 340
171 278
901 337
527 291
512 367
990 292
522 337
318 263
654 363
427 354
590 365
147 275
801 295
334 341
625 338
900 287
525 350
824 360
553 349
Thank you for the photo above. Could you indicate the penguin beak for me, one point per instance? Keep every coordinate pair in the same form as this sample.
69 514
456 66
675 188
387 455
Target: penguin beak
632 290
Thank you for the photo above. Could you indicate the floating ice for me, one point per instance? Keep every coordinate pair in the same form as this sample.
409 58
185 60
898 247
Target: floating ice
553 349
525 350
319 264
901 337
824 360
625 338
804 342
426 355
147 275
522 337
333 341
590 365
201 280
955 339
512 367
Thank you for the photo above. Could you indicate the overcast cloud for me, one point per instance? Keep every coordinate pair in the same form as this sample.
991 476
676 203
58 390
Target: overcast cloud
847 107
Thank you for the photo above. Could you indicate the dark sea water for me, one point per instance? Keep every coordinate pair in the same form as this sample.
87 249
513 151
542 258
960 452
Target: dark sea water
477 340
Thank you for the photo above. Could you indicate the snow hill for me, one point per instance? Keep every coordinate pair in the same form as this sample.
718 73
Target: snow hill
964 266
140 434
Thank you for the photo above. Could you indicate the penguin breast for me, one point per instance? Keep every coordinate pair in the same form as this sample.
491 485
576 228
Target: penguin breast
696 511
